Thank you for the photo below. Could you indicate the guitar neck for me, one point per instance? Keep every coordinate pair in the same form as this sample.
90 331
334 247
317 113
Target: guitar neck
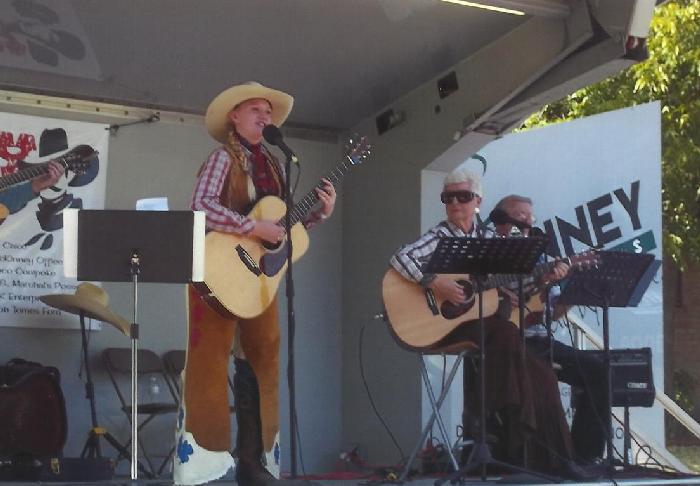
35 170
304 206
23 175
503 280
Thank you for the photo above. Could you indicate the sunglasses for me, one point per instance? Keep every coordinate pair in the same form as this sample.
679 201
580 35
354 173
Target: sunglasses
462 196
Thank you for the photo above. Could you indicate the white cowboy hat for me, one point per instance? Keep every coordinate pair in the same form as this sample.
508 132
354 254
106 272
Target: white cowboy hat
216 119
92 301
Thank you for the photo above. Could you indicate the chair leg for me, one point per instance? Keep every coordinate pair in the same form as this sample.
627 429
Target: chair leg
436 406
147 457
435 415
144 451
123 453
168 458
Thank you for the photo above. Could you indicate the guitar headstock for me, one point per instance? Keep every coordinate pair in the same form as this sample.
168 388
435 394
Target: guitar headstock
78 159
585 260
357 149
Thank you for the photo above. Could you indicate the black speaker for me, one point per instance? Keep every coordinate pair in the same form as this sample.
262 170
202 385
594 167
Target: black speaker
632 379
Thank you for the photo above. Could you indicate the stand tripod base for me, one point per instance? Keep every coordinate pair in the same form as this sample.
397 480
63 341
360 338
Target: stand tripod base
93 450
480 458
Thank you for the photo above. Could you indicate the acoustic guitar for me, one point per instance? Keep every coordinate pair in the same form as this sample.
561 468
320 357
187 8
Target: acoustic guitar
242 273
534 299
420 319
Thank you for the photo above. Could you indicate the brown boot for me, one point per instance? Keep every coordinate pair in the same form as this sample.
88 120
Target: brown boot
250 468
249 448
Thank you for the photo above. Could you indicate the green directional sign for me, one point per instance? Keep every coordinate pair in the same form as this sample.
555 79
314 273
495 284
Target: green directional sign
643 243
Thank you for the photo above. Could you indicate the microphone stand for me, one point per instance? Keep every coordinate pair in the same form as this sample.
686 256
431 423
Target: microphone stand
291 323
523 343
548 317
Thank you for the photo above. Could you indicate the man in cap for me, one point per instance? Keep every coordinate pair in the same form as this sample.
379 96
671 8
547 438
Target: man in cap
232 179
583 371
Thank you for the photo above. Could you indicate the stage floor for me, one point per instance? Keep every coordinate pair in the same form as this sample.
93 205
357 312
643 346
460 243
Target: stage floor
423 481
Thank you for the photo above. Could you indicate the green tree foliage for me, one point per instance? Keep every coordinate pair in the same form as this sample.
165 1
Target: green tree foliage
671 75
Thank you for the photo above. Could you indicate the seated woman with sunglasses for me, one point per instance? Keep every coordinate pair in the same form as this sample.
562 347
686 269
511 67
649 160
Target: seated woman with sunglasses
525 399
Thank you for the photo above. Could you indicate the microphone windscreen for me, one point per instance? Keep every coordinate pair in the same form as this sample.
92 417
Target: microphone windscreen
272 134
537 232
499 216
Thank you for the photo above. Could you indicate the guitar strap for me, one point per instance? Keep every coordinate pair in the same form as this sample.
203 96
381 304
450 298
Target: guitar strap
480 226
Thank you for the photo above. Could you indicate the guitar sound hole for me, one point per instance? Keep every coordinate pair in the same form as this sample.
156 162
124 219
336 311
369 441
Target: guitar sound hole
452 311
271 246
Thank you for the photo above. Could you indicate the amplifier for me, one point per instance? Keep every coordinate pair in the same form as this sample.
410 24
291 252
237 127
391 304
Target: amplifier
632 380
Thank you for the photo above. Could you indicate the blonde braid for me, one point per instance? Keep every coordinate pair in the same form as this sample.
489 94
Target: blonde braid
234 148
239 160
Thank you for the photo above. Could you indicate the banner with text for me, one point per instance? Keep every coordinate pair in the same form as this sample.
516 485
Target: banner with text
31 228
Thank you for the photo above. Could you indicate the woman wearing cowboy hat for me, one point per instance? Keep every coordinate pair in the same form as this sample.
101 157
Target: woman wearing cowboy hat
233 178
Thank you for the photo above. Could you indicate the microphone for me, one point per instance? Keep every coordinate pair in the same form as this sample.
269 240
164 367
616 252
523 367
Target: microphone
535 231
499 216
538 233
273 136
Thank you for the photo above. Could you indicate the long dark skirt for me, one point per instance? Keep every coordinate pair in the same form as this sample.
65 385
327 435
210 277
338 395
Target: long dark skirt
522 395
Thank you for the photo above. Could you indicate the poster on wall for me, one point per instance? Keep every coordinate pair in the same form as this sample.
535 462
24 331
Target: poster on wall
31 228
594 182
42 35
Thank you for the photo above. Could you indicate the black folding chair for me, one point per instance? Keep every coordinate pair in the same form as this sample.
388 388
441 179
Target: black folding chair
117 361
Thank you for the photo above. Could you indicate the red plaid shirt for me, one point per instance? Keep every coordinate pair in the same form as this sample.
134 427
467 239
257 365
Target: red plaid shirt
207 192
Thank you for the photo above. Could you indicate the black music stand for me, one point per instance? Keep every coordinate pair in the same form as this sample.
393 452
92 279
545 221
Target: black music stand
133 246
480 257
620 281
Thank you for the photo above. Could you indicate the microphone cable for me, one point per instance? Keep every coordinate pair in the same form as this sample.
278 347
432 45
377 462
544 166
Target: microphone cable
371 399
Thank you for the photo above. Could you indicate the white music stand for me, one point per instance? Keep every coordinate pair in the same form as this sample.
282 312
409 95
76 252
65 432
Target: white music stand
133 246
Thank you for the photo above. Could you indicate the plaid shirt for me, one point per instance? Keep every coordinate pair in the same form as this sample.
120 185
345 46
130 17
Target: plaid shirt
410 259
207 194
